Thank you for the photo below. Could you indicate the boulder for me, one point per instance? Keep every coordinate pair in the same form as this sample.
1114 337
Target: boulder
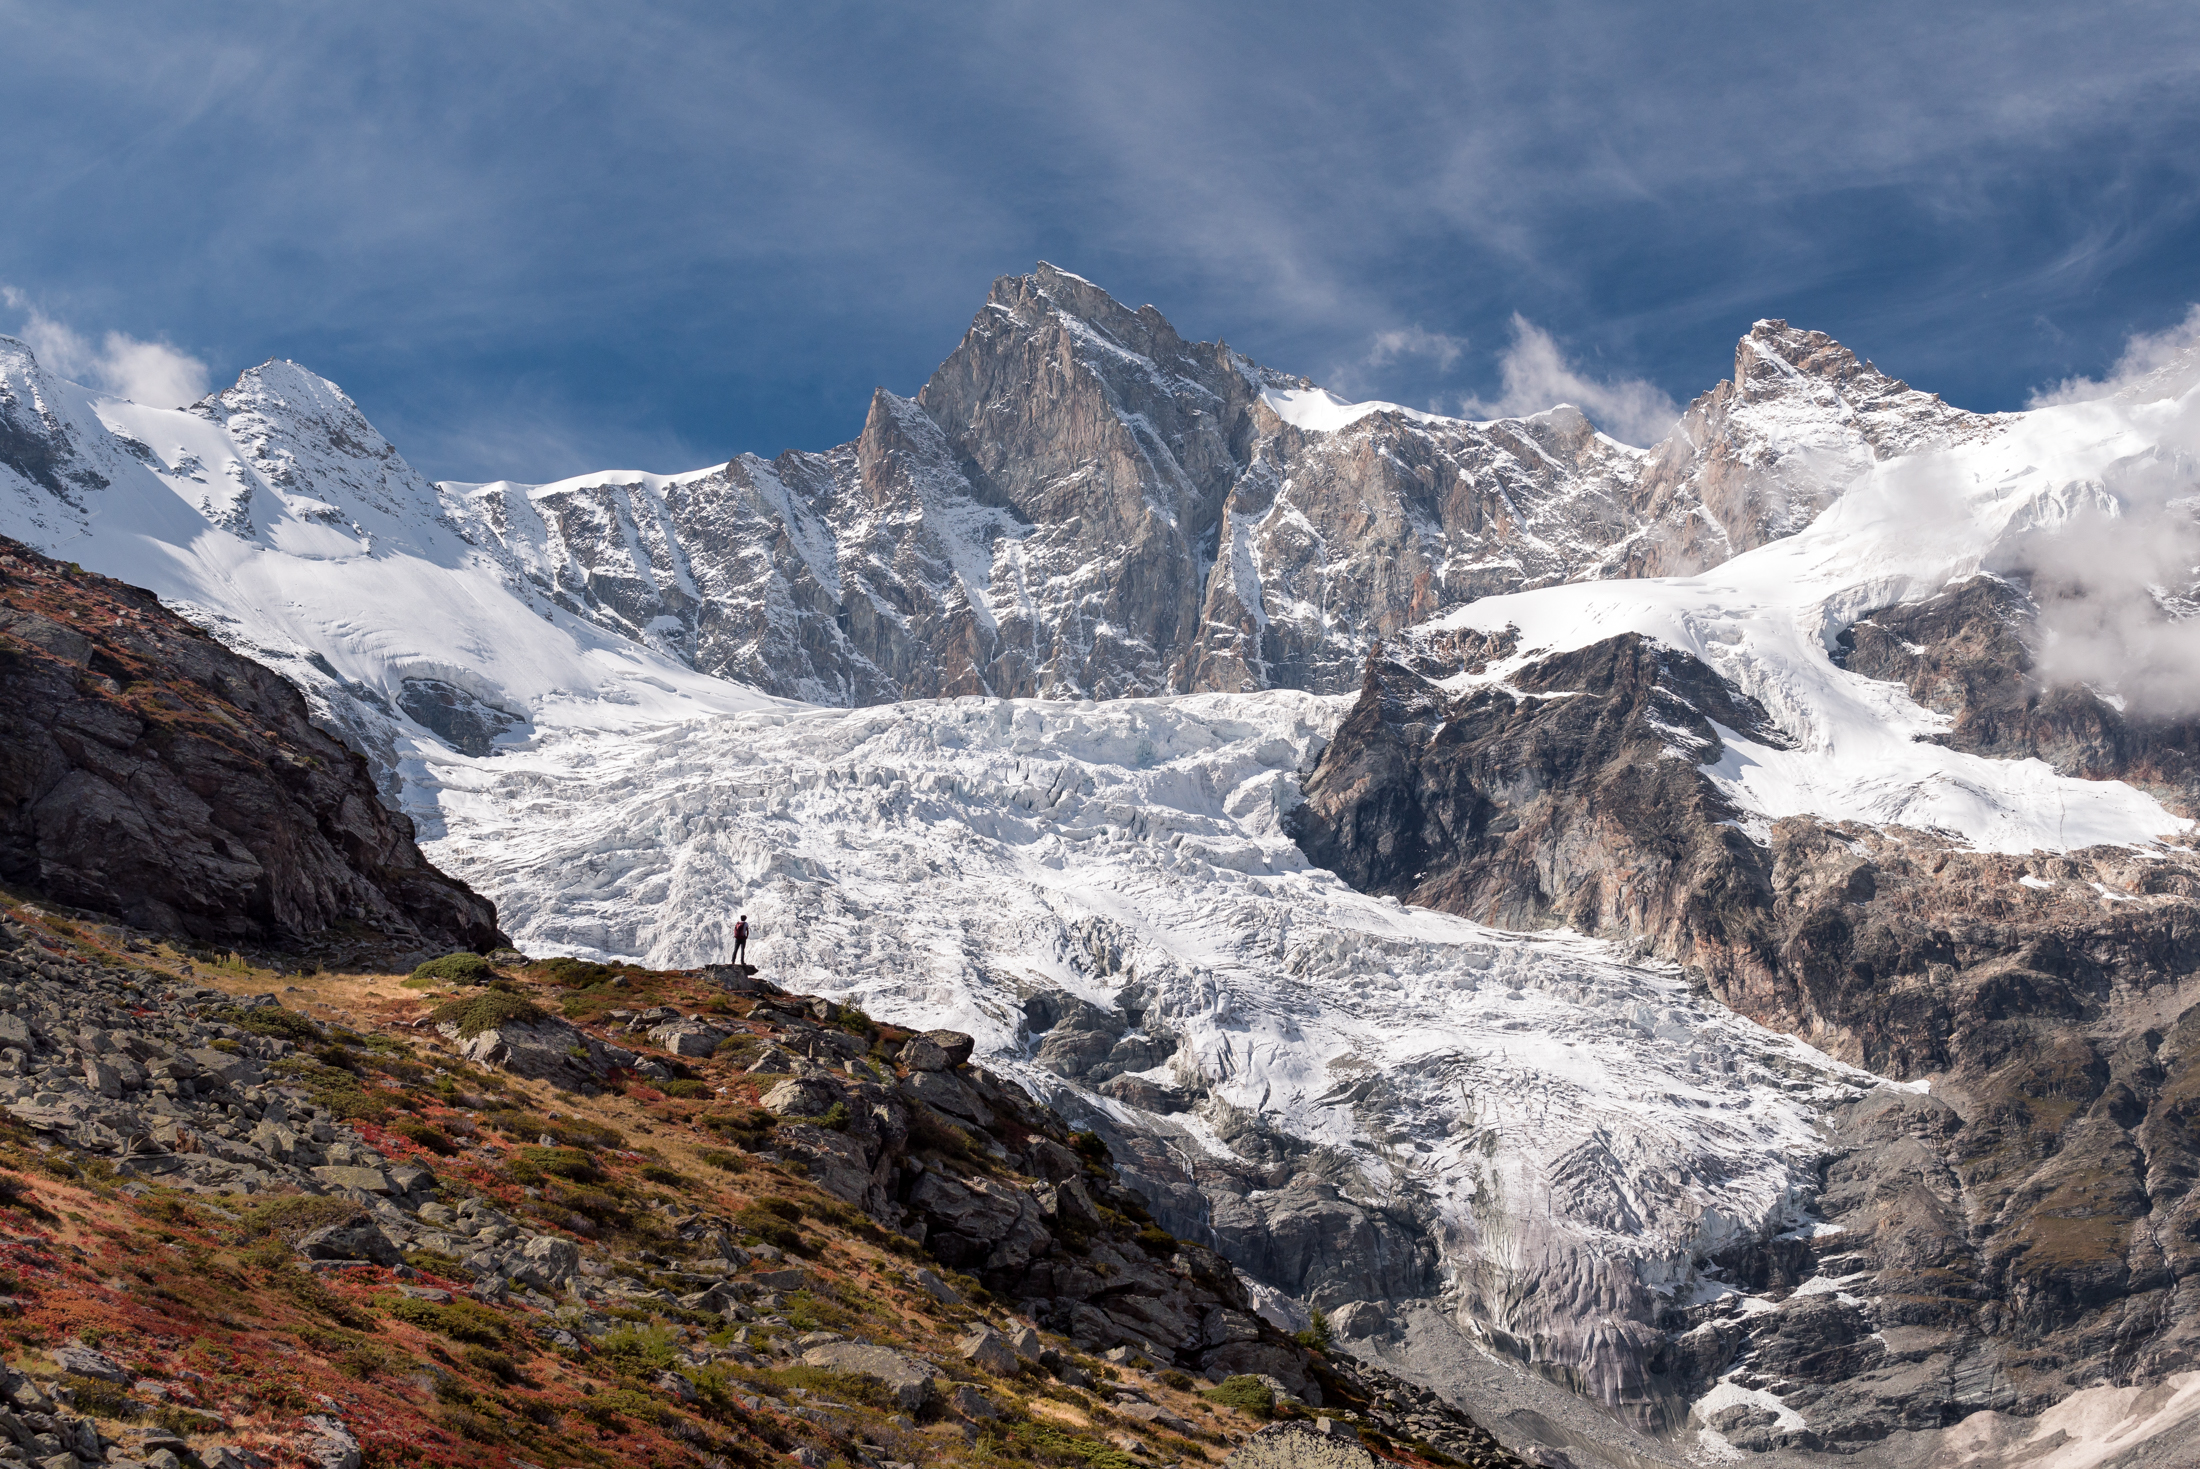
1360 1319
910 1381
779 1280
972 1404
542 1049
988 1351
939 1290
690 1038
1263 1359
803 1096
547 1262
82 1361
1299 1446
330 1444
353 1239
937 1050
360 1180
1159 1417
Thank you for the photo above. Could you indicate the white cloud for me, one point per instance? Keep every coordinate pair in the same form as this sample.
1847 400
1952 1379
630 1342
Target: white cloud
1414 341
153 373
1384 349
1537 376
2154 365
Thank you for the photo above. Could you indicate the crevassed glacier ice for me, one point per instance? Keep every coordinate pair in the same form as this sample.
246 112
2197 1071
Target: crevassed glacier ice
1576 1129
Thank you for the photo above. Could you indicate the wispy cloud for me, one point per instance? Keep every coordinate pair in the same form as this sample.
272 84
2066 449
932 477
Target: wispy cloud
733 221
2153 365
153 373
2117 583
1537 376
1415 348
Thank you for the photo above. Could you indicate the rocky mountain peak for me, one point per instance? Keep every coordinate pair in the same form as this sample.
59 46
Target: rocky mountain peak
37 440
306 438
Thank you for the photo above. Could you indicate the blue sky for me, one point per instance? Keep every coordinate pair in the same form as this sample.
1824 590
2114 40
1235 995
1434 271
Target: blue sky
535 238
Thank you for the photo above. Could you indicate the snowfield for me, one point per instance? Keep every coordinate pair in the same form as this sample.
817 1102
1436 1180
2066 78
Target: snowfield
1903 530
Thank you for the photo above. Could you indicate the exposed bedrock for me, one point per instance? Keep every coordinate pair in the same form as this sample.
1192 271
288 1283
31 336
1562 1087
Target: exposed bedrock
2027 1229
148 772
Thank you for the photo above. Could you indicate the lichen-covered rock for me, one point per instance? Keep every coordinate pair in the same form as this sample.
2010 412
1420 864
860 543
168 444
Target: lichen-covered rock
910 1381
690 1038
988 1351
542 1048
937 1050
355 1239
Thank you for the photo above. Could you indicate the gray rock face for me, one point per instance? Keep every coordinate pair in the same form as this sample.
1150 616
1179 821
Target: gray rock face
937 1050
910 1381
357 1239
544 1049
1080 502
84 1362
988 1351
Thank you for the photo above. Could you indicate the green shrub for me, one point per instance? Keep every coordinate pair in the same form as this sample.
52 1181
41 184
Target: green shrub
747 1126
725 1162
496 1364
639 1351
686 1088
846 1387
570 1164
1315 1336
1246 1393
930 1132
1057 1444
461 1320
435 1262
458 968
478 1013
576 974
571 1132
770 1228
293 1216
1089 1146
594 1204
273 1020
659 1174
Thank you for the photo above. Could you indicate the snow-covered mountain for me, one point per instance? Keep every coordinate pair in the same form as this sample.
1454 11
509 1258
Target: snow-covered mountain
1079 502
1612 683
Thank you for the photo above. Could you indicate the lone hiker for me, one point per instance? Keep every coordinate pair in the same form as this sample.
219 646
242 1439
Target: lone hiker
741 940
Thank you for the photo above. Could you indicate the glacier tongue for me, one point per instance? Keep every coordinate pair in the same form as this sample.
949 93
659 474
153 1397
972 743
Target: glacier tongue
1574 1131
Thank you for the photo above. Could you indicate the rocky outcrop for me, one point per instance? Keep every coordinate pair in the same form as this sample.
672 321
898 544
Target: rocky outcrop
1555 799
148 772
1968 653
1058 1230
2021 1231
